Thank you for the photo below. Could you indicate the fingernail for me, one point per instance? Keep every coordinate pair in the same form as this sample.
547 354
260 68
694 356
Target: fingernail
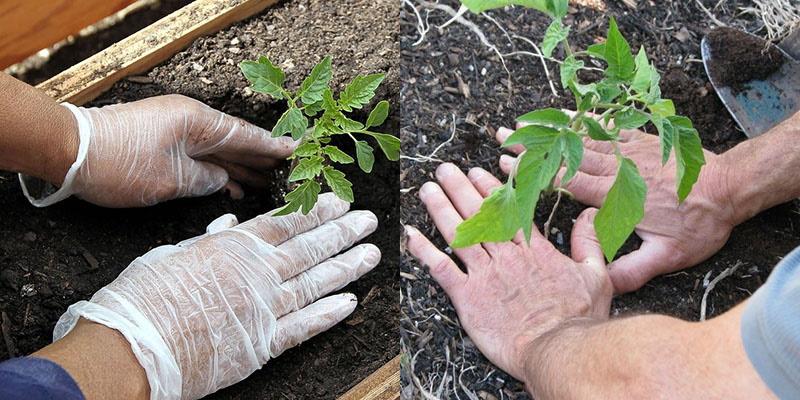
503 133
476 173
506 159
410 231
426 189
445 170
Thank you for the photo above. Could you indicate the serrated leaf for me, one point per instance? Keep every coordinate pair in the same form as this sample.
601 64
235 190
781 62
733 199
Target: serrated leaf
307 168
558 8
665 134
643 77
554 34
346 123
292 121
597 50
533 137
618 54
689 155
364 155
663 108
655 90
622 209
535 173
378 114
390 145
572 151
339 184
337 155
360 91
264 76
328 103
496 221
312 87
608 90
306 150
569 70
301 198
630 118
546 117
595 130
479 6
312 109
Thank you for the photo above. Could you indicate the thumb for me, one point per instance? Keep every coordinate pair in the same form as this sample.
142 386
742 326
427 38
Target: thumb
221 223
632 271
585 246
202 178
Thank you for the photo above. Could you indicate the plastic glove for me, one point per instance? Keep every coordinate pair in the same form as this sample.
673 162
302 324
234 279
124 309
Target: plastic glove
208 312
141 153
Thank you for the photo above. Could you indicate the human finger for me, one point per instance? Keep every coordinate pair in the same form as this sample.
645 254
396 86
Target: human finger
503 134
459 189
305 323
240 173
589 189
598 163
441 267
633 270
584 243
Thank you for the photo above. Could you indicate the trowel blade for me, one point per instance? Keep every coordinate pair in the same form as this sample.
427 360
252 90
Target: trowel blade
757 105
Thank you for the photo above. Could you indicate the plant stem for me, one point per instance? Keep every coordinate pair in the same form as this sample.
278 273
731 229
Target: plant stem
546 226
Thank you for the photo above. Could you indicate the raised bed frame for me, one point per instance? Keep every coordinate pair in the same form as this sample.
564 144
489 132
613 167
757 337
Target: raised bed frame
147 48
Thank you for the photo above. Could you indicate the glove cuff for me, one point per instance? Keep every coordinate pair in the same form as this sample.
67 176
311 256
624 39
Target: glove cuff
43 194
150 349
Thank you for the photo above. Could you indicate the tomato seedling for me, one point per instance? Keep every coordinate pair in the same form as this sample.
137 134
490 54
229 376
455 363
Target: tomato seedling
315 156
627 97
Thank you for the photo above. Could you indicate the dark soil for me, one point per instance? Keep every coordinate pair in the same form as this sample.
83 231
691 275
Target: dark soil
82 47
46 254
740 57
440 358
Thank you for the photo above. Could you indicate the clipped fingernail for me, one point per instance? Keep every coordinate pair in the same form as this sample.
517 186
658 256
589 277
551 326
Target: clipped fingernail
476 173
445 170
411 231
506 159
426 189
503 133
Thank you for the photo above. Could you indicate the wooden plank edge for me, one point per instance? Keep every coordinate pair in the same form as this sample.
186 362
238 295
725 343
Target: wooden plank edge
383 384
147 48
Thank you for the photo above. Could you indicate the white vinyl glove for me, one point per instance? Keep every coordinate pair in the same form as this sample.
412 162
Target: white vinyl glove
206 313
148 151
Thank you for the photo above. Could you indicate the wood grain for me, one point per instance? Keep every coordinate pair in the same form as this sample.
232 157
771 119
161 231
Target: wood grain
147 48
27 26
383 384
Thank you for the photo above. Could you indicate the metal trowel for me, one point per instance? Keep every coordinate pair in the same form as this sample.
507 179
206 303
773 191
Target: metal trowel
758 82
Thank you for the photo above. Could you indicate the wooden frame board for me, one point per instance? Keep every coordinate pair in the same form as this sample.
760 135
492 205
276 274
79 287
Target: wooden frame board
147 48
383 384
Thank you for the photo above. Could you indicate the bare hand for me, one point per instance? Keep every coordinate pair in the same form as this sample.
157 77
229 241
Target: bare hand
512 293
674 236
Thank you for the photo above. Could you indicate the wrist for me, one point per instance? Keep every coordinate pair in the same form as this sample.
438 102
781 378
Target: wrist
62 150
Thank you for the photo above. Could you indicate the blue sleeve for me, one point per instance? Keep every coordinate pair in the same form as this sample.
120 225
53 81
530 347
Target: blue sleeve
30 378
771 328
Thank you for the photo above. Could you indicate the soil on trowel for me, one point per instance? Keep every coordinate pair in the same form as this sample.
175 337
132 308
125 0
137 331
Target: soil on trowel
739 57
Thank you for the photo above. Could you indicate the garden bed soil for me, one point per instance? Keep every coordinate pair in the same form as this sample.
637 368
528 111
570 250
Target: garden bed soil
740 58
53 257
450 74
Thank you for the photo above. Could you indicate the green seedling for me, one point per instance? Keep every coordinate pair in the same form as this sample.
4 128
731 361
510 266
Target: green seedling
315 157
627 97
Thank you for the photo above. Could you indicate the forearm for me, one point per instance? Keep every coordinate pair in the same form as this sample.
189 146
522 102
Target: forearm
763 172
38 137
100 361
644 357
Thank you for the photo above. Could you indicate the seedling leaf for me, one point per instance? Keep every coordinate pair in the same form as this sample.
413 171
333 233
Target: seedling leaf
312 87
336 180
301 198
378 114
337 155
494 222
622 210
618 54
360 91
389 144
364 155
292 121
307 168
546 117
555 33
688 154
264 76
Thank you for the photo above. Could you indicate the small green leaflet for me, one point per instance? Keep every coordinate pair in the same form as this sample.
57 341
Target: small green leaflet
479 6
572 150
364 155
558 8
595 130
622 209
688 154
337 155
264 76
534 174
597 50
546 117
346 123
307 168
339 184
618 54
388 143
312 87
360 91
378 114
644 71
496 221
303 197
630 118
532 137
306 150
663 108
292 121
555 33
569 70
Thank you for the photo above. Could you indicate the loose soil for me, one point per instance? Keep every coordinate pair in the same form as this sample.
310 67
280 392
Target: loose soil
740 58
53 257
452 75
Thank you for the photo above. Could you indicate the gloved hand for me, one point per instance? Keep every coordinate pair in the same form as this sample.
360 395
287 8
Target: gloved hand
206 313
141 153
